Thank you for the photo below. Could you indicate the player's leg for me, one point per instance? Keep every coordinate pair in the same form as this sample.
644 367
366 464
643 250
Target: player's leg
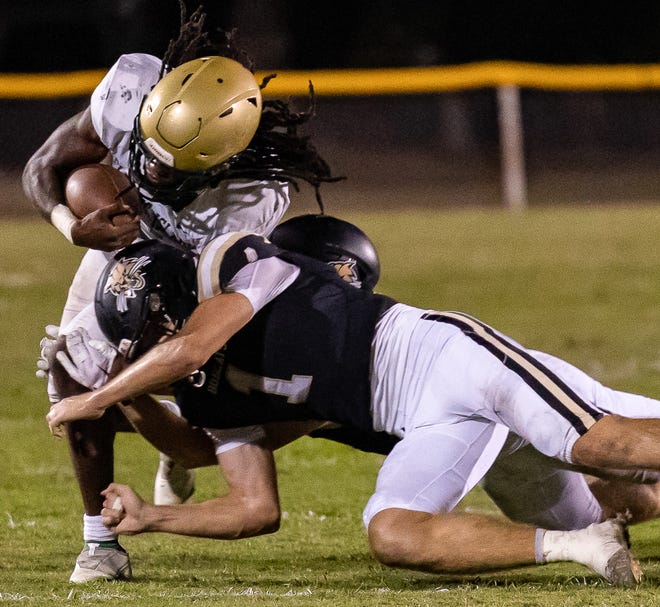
620 442
90 445
449 542
174 483
409 518
558 408
448 374
530 487
92 454
599 428
410 523
638 501
626 432
462 542
90 442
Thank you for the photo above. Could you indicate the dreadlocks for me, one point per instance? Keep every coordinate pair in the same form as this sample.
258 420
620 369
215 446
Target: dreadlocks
194 41
277 150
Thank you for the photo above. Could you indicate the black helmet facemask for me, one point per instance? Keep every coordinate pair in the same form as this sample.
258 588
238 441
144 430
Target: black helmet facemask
179 191
153 326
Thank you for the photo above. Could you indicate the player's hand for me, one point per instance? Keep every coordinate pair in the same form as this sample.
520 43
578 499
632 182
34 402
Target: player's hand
46 364
107 229
73 408
47 347
87 361
122 510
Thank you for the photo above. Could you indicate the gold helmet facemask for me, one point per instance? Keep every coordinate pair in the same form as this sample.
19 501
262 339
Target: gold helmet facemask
193 121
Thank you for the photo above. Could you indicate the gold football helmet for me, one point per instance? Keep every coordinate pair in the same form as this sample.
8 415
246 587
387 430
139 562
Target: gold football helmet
196 117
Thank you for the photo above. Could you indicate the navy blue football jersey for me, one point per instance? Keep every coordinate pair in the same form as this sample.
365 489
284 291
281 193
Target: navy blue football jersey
304 355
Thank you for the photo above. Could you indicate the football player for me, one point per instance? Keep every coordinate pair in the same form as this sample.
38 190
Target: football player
207 156
461 397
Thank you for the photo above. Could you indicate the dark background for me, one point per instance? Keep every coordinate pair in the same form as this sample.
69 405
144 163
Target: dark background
47 35
584 146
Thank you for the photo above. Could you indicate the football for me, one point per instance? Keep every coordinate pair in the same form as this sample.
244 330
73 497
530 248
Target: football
93 186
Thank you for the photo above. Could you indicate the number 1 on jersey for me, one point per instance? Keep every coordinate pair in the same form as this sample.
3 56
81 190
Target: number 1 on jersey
295 389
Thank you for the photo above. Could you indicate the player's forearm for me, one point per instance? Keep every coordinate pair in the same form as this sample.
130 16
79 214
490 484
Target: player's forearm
71 144
42 186
225 518
188 445
212 323
161 366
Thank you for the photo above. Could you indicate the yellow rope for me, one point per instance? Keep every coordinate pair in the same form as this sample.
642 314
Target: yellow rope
387 81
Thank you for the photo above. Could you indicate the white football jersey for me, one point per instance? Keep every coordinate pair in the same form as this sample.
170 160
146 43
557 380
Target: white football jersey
117 99
255 206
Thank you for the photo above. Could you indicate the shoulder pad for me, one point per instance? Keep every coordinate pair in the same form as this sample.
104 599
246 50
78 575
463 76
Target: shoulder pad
225 256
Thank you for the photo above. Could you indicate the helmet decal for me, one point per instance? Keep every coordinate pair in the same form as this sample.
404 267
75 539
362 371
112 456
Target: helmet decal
126 280
347 270
157 150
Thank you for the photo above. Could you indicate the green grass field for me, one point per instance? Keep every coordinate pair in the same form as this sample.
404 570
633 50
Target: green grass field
582 283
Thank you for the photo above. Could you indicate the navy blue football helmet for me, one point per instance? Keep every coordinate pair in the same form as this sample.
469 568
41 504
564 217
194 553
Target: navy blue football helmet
334 241
146 291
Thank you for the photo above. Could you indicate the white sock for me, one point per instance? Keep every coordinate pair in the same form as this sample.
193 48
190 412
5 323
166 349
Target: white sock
601 546
95 531
577 546
554 546
174 408
538 546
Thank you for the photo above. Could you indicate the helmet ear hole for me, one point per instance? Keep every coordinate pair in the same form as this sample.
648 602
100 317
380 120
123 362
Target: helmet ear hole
154 302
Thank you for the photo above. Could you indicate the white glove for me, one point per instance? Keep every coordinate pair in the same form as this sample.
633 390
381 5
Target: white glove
87 361
47 347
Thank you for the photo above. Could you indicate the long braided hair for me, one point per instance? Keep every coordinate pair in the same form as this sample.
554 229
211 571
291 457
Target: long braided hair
277 150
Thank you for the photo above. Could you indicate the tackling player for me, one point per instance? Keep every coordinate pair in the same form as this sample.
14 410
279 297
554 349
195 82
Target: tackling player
462 398
207 156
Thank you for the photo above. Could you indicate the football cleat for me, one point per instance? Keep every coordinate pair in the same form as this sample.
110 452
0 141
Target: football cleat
98 562
174 484
606 549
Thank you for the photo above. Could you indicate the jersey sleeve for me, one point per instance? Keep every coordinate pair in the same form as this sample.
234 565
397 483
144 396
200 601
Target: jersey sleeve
117 99
244 263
